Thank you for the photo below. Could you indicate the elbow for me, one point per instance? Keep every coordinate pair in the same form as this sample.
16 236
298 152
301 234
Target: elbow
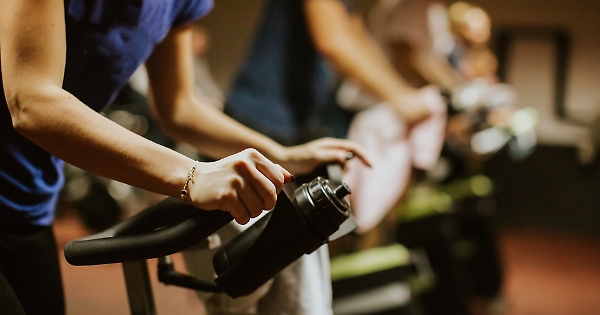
27 106
171 119
18 110
166 123
169 127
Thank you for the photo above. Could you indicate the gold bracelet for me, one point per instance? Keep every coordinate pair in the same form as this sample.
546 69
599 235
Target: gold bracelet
190 178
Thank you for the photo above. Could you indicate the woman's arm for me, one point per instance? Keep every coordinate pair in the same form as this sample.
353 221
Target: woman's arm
33 61
183 116
32 52
343 40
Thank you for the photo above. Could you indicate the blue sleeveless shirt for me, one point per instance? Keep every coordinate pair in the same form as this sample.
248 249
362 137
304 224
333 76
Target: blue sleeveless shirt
284 83
107 41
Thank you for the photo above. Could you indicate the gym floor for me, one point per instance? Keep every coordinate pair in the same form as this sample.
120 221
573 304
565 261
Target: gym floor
546 274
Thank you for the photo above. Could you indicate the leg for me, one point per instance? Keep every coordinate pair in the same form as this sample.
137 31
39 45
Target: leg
30 264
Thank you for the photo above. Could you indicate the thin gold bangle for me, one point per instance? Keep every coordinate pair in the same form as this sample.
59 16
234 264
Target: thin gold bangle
190 178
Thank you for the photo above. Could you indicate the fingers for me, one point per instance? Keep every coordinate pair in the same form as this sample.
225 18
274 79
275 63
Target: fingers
288 177
276 174
261 182
259 185
243 184
239 214
411 107
422 114
234 195
250 193
358 152
422 110
415 115
343 150
252 203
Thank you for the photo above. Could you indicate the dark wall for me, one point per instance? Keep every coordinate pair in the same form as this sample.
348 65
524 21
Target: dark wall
549 190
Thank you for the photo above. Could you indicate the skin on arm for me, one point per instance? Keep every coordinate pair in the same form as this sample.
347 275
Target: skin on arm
344 41
186 118
32 52
421 68
407 30
403 57
438 70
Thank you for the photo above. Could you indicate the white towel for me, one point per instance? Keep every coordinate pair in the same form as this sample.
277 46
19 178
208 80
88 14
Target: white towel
394 150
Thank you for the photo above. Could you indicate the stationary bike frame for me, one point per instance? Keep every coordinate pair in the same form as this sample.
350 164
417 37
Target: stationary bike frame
159 231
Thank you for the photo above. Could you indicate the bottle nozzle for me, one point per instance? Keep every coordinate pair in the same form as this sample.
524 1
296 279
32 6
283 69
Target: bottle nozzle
341 191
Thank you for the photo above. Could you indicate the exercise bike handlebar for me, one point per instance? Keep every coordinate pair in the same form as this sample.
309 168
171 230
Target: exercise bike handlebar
162 229
298 225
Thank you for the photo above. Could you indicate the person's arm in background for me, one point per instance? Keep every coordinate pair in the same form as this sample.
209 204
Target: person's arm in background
183 116
436 69
422 67
440 44
32 55
347 45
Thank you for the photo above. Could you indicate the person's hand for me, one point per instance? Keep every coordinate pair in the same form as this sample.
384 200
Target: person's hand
410 106
303 159
243 184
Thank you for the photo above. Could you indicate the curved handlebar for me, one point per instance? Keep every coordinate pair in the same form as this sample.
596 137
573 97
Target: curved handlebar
163 229
166 228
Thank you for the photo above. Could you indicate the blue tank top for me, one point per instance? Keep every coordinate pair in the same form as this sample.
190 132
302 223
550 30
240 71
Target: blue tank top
284 83
107 41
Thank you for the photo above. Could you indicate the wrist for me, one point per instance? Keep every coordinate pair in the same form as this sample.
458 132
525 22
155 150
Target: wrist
188 182
400 96
277 153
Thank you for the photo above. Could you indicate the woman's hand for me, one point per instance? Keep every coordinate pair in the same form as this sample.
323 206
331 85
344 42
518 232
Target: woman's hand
243 184
303 159
410 106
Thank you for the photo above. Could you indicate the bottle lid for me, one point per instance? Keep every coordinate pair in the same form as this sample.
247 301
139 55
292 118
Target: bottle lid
323 206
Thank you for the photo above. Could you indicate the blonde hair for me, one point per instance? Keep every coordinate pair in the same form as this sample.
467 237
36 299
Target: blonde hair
470 22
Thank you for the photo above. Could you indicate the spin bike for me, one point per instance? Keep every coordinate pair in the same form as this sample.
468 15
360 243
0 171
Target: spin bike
298 225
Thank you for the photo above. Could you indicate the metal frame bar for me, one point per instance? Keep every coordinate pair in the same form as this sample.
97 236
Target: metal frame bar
139 288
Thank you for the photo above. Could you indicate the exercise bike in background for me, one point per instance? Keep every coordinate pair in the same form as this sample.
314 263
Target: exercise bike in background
449 212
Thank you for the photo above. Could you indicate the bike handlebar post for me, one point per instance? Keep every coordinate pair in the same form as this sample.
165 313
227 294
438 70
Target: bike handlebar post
139 288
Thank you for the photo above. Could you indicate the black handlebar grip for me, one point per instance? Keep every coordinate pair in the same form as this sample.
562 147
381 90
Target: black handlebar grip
166 213
143 237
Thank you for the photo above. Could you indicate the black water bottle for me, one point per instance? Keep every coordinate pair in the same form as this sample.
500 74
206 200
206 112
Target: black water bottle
293 228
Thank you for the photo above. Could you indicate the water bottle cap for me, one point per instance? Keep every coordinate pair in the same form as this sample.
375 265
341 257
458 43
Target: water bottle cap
322 205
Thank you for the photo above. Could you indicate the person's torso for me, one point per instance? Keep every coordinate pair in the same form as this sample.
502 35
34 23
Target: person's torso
284 82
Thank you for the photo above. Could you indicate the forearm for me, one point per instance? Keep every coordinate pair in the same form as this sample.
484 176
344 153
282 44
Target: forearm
213 133
183 116
62 125
346 44
362 63
437 70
